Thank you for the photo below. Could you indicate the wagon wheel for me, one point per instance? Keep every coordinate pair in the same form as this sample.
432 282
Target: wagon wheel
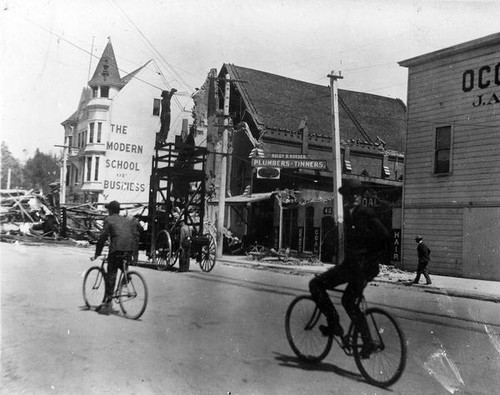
207 252
163 253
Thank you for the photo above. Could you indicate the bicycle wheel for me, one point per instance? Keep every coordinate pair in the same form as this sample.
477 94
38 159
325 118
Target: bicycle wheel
302 322
387 360
133 295
93 287
163 253
207 261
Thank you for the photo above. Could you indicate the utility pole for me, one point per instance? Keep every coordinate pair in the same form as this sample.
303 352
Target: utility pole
223 170
62 190
337 170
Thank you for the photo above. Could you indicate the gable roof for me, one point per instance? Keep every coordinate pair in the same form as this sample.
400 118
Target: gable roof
106 72
78 114
131 75
281 103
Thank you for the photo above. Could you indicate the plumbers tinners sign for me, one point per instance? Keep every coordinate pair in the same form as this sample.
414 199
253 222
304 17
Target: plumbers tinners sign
127 165
484 77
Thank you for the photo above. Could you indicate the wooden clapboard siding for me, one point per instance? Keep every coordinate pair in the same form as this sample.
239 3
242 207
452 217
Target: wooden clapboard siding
434 205
442 230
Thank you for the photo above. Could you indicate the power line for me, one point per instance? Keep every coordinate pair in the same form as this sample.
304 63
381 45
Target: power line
151 45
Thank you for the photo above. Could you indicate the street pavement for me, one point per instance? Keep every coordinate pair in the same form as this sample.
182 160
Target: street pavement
451 286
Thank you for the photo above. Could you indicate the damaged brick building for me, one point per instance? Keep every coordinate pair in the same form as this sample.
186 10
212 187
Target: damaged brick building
277 117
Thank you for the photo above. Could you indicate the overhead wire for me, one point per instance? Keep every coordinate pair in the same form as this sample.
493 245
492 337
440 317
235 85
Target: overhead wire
155 51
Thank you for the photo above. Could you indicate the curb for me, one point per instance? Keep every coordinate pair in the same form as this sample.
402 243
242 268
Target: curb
300 269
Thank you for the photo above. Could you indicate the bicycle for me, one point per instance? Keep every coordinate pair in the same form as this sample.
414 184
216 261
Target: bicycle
130 291
387 360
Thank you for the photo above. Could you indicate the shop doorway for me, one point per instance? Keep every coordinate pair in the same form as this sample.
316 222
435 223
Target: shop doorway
328 239
290 234
309 236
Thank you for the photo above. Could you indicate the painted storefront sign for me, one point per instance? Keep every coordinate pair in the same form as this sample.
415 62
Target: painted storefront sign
127 165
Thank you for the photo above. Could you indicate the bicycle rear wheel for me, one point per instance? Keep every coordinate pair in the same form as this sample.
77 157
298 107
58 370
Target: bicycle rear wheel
132 295
93 287
387 360
302 322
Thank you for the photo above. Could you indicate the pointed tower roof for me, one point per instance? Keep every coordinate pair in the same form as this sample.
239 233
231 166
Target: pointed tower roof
106 72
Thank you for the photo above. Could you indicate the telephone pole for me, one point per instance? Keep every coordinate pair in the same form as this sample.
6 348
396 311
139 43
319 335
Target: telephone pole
62 180
223 170
337 170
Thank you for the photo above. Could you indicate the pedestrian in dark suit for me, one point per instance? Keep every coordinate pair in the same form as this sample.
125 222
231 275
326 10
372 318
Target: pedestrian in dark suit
423 260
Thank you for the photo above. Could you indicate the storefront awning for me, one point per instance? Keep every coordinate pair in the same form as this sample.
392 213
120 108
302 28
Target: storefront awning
245 199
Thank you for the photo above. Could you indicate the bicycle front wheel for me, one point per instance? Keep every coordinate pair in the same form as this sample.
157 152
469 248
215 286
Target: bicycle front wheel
93 287
132 295
302 322
385 365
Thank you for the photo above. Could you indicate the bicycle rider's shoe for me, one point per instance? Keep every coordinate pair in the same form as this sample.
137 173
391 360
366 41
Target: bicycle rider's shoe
366 351
105 305
335 329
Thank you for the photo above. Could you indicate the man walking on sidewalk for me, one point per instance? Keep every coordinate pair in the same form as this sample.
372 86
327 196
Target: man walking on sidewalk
423 260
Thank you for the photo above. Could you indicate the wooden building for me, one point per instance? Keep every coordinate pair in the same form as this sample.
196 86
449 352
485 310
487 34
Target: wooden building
281 118
452 168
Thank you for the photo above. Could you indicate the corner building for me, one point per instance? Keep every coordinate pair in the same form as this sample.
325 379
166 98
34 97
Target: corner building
111 135
451 193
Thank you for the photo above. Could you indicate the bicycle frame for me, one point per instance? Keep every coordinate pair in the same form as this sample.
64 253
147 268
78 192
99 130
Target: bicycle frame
126 260
346 342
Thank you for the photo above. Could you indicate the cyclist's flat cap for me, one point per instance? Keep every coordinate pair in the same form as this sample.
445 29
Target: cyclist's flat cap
350 185
418 238
113 206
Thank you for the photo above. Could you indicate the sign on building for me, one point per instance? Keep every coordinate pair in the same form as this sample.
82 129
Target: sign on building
127 165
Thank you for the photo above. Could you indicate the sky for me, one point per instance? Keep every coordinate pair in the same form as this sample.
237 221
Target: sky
50 48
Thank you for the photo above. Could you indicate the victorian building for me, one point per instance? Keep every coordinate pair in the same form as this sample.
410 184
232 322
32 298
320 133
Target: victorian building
111 135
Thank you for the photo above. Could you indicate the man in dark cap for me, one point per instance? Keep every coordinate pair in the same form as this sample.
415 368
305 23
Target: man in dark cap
122 234
365 238
423 253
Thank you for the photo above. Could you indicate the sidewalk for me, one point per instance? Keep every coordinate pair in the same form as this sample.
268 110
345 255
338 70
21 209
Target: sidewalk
444 285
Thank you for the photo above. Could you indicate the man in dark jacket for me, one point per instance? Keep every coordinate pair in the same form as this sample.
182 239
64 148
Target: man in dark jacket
423 253
122 234
186 235
365 237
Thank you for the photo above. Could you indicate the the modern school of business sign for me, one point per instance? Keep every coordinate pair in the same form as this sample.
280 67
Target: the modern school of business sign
127 165
290 161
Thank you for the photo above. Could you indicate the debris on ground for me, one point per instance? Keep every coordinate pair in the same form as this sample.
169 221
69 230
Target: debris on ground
283 256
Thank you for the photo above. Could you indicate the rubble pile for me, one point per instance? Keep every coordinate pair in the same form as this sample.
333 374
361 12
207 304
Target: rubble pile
27 213
32 215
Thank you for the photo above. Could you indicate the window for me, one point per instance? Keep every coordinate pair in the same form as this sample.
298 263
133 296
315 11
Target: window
76 176
156 107
96 175
104 91
99 131
95 91
89 167
442 153
91 133
79 138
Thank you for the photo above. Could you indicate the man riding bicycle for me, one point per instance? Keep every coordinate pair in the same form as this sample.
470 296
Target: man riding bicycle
122 234
365 238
